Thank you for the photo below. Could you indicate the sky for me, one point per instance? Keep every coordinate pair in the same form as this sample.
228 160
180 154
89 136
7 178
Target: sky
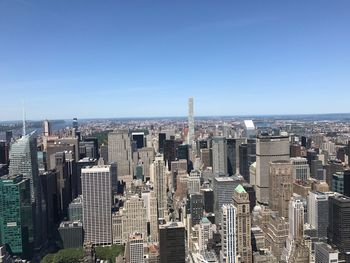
91 59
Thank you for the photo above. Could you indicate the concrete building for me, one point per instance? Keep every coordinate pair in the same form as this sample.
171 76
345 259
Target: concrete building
205 234
134 249
268 149
318 213
281 187
219 155
97 204
324 253
120 151
117 228
146 155
300 169
243 222
160 185
228 251
223 188
133 216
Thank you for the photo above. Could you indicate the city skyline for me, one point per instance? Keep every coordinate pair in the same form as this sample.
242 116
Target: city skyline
234 59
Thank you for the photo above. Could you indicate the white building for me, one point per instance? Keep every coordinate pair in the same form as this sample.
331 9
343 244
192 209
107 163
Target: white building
228 252
97 204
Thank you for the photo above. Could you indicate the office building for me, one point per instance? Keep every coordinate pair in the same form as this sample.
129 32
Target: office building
243 222
133 216
146 155
24 161
160 186
338 182
161 142
16 218
228 251
219 155
177 167
324 253
318 213
223 188
139 138
247 156
300 169
71 234
317 170
120 151
338 228
97 204
134 248
208 199
281 186
196 208
205 234
268 149
75 209
172 243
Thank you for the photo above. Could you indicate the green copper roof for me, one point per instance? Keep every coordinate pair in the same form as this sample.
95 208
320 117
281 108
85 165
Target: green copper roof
240 189
205 220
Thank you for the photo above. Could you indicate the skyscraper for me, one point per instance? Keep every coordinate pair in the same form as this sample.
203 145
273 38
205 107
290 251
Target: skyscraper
24 161
318 213
219 155
300 168
338 228
228 251
223 188
16 220
120 151
243 222
160 186
47 128
97 204
134 215
268 149
134 248
281 188
172 243
190 137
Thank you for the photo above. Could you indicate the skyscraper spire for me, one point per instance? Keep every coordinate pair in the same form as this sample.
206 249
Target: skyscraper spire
24 122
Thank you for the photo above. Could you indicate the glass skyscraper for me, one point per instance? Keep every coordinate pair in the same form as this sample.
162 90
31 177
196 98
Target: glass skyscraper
16 220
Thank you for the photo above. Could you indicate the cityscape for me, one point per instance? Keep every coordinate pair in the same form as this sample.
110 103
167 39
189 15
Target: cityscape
174 131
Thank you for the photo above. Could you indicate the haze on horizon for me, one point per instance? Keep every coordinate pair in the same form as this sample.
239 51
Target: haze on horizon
120 59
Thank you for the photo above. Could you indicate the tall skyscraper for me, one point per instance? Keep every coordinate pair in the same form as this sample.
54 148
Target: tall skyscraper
97 204
318 213
24 161
16 220
172 243
160 186
268 149
190 137
338 227
47 128
243 222
296 250
120 151
281 186
228 251
223 188
219 155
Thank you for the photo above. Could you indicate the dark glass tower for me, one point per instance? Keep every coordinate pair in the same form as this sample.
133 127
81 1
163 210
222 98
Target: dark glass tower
339 221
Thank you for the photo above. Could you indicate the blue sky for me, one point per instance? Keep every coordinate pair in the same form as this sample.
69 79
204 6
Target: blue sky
145 58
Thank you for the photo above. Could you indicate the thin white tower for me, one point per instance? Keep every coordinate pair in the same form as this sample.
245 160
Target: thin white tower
190 136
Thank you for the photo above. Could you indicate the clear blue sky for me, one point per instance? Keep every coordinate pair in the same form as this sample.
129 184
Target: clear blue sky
145 58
